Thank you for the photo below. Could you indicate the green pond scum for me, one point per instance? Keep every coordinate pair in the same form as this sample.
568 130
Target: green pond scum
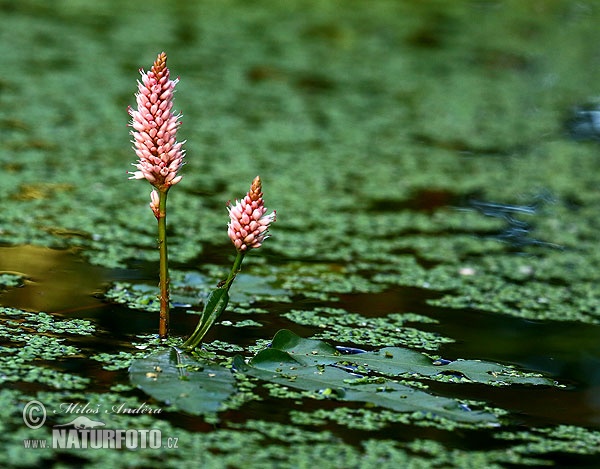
435 256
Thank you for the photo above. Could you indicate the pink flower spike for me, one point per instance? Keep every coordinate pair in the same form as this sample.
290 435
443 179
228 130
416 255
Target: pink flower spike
248 226
160 156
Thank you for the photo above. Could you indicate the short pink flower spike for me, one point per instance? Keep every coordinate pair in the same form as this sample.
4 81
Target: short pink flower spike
249 225
160 156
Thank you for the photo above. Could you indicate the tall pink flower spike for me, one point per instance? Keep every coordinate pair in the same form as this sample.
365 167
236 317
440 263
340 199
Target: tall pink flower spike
249 225
155 128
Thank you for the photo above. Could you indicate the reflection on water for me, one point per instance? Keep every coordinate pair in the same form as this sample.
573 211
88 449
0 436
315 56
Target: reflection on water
55 280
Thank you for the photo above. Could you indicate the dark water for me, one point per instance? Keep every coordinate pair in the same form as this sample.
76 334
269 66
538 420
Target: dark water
59 282
568 352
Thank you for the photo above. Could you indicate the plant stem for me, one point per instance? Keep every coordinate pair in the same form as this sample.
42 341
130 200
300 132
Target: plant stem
215 305
163 327
237 264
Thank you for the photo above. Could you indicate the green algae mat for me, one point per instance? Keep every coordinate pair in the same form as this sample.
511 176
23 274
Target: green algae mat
429 296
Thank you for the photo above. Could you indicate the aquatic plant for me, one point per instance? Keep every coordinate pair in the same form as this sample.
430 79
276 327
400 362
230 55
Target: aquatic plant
160 157
249 225
393 378
247 229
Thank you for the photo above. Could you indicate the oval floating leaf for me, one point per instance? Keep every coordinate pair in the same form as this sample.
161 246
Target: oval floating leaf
313 365
278 367
395 361
288 341
179 380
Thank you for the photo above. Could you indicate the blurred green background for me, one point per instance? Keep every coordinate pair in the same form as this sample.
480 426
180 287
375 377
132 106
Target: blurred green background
346 110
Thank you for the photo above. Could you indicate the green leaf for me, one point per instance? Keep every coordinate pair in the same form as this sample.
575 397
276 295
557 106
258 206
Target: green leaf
306 351
179 380
395 361
273 359
215 305
338 384
315 366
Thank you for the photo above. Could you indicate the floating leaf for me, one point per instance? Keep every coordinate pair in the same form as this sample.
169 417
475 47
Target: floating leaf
280 367
177 379
313 365
395 361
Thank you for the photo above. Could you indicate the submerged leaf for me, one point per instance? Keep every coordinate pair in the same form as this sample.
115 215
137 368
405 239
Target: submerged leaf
177 379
